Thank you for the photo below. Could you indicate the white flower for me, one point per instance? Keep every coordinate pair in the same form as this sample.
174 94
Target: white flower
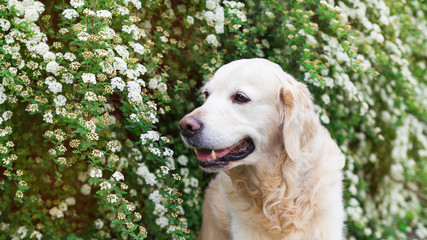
133 117
164 39
118 176
70 13
89 78
209 16
3 96
241 16
190 20
4 24
91 96
55 87
62 160
128 29
131 207
133 87
122 10
135 97
194 182
49 56
421 231
115 145
97 153
138 48
154 150
7 115
69 56
56 212
159 209
63 31
22 231
36 234
134 92
325 98
99 224
48 117
149 177
118 83
324 118
136 3
107 33
77 3
70 201
211 39
103 14
162 87
142 70
269 14
95 172
63 206
122 51
310 40
105 185
112 198
31 14
82 176
88 12
183 160
92 136
364 108
168 152
132 73
119 64
211 4
151 135
155 196
152 84
164 169
53 67
83 36
219 20
367 231
162 222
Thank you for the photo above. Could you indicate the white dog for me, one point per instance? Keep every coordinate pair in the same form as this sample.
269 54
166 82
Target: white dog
280 173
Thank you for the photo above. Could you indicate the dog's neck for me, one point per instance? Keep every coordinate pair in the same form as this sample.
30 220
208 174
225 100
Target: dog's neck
260 186
256 177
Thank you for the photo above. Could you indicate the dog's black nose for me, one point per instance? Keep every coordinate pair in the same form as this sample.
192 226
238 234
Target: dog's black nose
190 126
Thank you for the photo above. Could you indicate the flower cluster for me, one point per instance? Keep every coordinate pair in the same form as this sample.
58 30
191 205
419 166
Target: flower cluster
79 82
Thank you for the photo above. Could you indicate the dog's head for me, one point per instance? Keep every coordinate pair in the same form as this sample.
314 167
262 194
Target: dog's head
251 108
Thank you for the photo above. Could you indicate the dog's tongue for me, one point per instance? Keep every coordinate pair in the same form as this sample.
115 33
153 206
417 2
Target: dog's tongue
205 155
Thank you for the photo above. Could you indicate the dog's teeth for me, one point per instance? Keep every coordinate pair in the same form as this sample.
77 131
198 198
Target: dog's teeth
213 155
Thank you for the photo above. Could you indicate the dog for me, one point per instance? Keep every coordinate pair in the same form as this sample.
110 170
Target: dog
279 171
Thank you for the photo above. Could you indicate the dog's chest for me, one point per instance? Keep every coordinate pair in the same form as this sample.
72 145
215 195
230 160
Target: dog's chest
246 229
247 219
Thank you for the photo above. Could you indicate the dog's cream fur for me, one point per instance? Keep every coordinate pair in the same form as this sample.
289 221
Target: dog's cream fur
290 187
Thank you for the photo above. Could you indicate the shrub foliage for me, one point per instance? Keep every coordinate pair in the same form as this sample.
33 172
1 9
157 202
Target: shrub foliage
91 93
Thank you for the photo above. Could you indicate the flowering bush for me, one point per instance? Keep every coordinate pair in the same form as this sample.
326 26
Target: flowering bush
91 93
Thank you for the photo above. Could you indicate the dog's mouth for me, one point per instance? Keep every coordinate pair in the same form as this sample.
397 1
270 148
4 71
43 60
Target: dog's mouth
219 158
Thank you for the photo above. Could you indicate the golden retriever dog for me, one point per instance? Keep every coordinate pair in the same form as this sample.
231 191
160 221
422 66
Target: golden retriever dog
280 173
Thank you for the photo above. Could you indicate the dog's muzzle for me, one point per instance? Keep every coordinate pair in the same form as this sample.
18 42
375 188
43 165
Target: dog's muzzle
212 158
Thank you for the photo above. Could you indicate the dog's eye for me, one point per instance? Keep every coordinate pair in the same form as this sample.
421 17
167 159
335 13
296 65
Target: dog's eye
205 94
240 98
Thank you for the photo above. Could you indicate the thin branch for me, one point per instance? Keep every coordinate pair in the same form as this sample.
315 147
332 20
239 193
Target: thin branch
417 193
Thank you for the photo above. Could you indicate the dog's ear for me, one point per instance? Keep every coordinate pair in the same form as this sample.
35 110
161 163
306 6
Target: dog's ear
300 122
